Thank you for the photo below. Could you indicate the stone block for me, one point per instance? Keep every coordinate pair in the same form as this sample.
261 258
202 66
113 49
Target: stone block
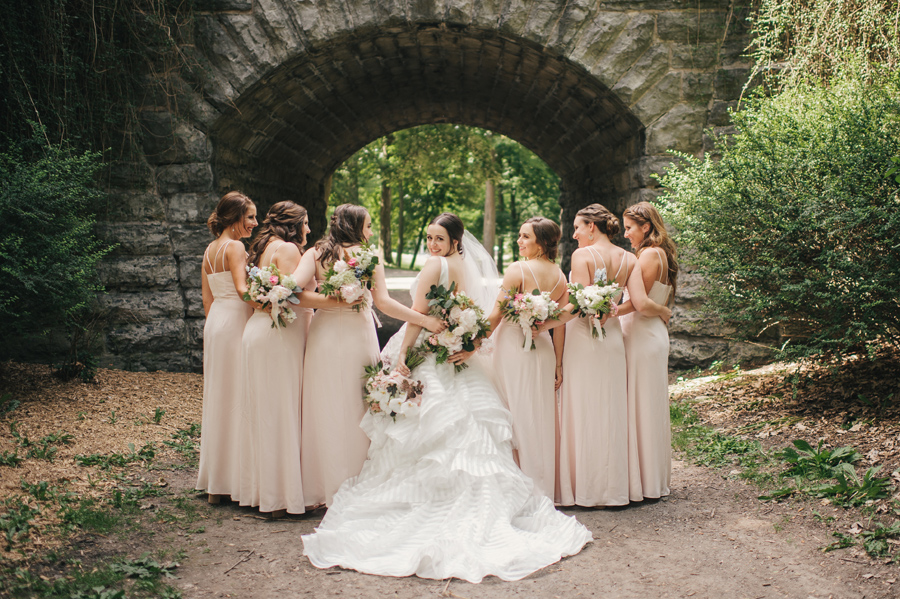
648 166
189 240
659 99
137 175
138 273
183 178
194 300
142 306
679 129
687 351
646 72
595 37
729 83
697 87
126 205
189 272
149 239
190 207
694 56
170 140
223 5
719 113
164 335
691 26
194 330
628 46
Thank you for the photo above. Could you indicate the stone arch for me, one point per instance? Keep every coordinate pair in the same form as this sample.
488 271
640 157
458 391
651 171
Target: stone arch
282 91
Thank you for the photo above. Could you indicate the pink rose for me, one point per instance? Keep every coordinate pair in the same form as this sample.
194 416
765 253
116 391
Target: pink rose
351 262
273 280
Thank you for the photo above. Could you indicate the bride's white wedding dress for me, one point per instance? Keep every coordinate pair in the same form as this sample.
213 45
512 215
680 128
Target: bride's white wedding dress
440 495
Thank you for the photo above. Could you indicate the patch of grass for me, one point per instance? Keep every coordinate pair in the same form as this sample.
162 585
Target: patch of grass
815 463
875 542
8 404
10 458
87 517
158 414
185 442
43 449
16 521
145 455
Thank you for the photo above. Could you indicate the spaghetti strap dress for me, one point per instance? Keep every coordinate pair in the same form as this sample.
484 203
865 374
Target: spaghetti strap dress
222 385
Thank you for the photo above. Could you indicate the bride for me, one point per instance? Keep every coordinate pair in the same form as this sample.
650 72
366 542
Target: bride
440 495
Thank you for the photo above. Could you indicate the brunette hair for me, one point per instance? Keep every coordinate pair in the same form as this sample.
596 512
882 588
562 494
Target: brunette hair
346 228
547 234
605 221
644 213
454 227
230 209
284 221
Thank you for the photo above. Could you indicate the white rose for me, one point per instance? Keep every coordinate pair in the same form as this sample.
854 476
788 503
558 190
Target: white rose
352 292
340 266
288 281
468 319
279 293
455 313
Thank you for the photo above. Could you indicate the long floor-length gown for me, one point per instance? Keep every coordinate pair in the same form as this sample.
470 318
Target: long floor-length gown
272 367
593 417
341 342
440 495
526 380
222 387
647 356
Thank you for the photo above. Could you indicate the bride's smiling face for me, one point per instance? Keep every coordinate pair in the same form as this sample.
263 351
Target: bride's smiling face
438 241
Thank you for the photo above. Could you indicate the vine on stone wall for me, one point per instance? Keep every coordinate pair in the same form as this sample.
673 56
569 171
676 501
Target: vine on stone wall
78 69
814 40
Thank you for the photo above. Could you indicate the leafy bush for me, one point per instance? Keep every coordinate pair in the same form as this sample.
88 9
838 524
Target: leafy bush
48 250
795 225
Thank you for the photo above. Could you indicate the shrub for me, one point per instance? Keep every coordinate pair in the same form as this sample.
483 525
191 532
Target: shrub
48 251
795 224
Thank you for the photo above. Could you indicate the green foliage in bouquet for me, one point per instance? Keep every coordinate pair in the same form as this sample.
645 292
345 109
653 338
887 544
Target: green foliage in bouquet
48 250
795 225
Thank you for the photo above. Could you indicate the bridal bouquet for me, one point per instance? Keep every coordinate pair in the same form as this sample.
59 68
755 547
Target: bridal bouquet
389 392
465 323
529 310
269 287
349 279
595 300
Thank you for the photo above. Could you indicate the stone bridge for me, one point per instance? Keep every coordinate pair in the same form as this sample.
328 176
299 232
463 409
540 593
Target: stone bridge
281 92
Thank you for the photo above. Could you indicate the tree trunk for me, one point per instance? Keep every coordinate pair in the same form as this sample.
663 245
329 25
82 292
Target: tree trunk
353 180
490 218
514 217
386 221
502 238
401 222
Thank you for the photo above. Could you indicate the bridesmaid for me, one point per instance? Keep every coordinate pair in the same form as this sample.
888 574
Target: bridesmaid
223 279
272 363
340 344
647 350
593 426
525 379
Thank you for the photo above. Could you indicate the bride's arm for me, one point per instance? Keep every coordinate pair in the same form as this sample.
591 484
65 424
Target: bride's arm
395 309
429 276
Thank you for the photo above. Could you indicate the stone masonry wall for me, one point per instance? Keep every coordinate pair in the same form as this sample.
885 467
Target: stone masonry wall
280 92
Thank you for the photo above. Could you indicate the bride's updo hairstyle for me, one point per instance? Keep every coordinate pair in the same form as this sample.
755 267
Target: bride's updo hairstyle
454 227
546 234
230 210
605 221
346 228
284 221
644 213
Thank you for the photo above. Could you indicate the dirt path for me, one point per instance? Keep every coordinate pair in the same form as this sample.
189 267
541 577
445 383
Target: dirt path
711 538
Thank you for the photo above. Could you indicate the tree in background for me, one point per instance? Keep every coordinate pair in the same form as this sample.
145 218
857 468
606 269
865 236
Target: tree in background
415 174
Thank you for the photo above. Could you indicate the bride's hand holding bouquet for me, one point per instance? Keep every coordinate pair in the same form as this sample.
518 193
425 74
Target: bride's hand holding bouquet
466 326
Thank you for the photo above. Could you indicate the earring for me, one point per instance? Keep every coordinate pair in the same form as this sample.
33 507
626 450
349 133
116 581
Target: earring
591 236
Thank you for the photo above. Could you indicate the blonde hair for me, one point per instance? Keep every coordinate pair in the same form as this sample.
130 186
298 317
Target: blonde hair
644 213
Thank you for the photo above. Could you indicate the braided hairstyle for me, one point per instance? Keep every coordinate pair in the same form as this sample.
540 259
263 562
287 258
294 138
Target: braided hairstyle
346 228
546 234
605 221
284 221
644 213
230 209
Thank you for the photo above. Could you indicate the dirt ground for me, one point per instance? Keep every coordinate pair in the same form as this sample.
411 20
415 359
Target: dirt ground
711 538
